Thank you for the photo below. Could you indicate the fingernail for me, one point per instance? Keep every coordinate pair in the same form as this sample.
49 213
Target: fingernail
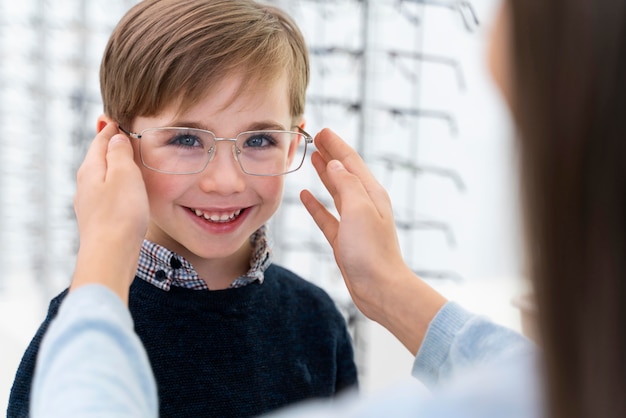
117 138
335 165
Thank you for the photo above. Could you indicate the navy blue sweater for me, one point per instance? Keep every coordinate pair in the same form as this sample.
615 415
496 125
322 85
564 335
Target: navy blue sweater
229 353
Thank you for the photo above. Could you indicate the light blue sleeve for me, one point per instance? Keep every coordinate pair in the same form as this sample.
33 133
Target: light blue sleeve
473 368
458 341
91 362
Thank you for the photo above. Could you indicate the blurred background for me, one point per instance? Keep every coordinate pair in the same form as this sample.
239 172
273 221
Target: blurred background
404 81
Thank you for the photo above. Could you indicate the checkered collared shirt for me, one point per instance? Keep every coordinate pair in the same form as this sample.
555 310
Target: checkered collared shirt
164 268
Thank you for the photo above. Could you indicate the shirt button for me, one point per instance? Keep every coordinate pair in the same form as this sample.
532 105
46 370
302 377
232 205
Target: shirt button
175 263
160 275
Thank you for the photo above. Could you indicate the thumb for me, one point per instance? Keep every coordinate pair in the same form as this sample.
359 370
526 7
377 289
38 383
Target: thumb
348 188
118 139
119 155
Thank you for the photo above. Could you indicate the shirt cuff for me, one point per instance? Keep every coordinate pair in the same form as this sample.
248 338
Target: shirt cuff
440 335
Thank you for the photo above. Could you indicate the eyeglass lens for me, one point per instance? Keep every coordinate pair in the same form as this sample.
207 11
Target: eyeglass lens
187 150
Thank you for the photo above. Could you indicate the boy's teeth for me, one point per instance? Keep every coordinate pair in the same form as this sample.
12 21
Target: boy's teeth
215 217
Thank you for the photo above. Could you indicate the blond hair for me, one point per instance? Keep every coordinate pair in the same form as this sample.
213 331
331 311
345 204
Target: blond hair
173 51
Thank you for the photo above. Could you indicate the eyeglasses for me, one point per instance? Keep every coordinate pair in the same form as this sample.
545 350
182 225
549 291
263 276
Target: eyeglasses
178 150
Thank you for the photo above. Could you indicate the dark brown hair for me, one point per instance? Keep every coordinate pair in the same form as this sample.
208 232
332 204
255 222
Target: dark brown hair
166 52
569 102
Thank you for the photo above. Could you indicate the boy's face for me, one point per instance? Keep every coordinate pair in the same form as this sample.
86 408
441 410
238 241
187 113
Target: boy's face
240 203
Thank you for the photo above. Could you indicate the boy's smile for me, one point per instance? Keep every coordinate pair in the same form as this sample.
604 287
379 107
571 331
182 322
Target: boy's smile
218 218
218 222
208 217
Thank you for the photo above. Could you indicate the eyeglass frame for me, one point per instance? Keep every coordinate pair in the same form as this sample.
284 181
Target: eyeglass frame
308 139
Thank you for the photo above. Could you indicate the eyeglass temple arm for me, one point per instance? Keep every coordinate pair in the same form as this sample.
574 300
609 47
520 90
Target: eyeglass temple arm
131 134
308 138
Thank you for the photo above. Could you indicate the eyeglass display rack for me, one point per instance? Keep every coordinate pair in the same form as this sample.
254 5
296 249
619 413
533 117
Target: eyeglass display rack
49 101
367 59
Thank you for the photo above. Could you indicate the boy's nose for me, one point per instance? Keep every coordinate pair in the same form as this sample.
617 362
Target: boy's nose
223 174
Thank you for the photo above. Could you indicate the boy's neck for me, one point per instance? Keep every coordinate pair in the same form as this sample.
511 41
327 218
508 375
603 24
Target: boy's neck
221 272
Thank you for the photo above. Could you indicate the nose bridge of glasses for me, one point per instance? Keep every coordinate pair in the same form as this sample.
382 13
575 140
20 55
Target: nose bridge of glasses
216 141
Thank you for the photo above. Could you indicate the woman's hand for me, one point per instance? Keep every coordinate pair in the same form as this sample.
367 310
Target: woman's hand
365 243
112 210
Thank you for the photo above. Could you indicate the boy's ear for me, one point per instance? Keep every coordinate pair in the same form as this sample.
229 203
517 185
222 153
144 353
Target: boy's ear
103 120
294 146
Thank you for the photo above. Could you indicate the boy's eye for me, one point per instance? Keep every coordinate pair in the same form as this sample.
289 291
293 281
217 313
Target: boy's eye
259 140
186 140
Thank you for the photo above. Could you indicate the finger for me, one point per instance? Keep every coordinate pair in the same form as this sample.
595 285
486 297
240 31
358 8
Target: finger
325 221
119 159
320 167
94 163
332 147
350 194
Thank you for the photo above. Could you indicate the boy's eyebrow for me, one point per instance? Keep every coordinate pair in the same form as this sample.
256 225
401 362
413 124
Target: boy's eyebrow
188 124
255 126
265 125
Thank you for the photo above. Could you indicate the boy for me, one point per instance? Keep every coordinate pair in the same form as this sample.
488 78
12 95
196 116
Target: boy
211 93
